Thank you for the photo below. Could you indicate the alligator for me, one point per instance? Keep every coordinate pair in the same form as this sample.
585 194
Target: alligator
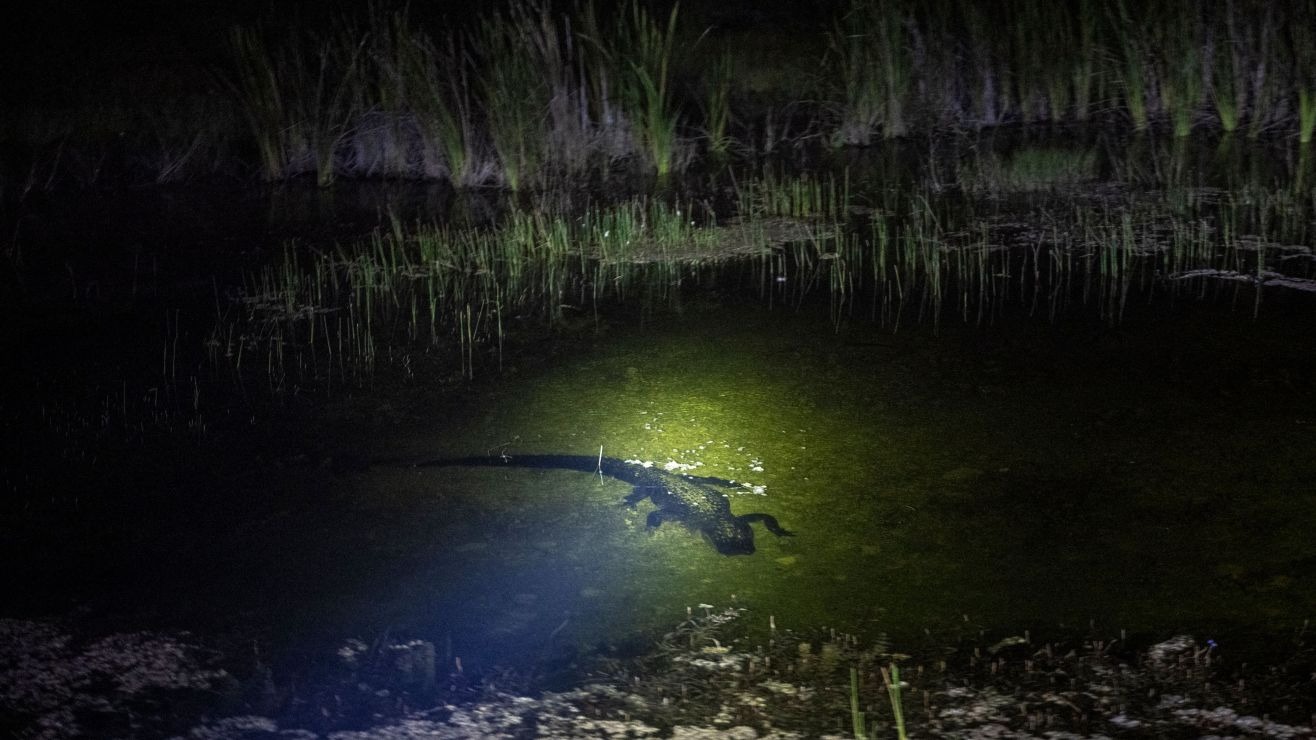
691 500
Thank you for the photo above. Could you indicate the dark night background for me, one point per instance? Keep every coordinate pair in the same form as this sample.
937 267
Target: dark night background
1002 307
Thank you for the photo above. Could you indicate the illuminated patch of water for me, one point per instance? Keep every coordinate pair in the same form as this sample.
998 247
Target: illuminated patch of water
1014 477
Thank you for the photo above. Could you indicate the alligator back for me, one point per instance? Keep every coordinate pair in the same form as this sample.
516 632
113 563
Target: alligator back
689 500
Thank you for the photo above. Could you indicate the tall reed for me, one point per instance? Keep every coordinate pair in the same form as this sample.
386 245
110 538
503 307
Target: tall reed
1259 31
869 53
717 106
298 99
1086 60
423 92
534 93
516 93
1302 43
1131 70
1227 69
261 94
642 51
1306 115
1175 43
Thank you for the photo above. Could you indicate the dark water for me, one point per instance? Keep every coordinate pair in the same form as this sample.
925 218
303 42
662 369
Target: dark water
1152 475
1153 478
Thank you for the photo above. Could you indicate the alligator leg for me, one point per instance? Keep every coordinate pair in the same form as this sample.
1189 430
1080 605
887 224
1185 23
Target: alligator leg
769 521
640 493
658 516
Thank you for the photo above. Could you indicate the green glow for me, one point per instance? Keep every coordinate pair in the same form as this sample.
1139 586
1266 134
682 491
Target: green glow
923 487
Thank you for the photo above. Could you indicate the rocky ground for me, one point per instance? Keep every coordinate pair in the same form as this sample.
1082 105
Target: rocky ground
705 679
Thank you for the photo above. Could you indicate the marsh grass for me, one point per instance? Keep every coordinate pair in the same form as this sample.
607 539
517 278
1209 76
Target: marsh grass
1028 169
1046 67
891 680
298 99
529 94
1306 116
422 102
1271 61
1177 46
641 50
423 289
260 92
947 64
870 56
803 197
1131 71
415 294
516 91
717 105
1302 43
1227 72
862 100
533 95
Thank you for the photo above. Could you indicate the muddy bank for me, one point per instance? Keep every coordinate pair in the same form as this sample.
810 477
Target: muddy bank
718 674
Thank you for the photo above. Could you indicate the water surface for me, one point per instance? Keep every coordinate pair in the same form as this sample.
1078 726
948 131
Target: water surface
1151 478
